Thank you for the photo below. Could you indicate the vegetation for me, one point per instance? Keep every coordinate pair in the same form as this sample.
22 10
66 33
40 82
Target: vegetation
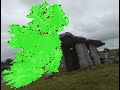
113 53
101 77
8 61
6 64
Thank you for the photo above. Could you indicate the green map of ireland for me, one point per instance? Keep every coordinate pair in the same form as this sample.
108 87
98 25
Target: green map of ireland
40 47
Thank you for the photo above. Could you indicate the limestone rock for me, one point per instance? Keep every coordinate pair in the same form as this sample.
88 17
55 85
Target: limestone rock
94 55
84 58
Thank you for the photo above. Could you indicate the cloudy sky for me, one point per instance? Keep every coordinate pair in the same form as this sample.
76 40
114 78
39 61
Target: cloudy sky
95 19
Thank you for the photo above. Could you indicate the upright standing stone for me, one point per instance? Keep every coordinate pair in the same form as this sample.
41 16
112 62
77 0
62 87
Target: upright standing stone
64 63
84 58
106 54
75 60
69 61
94 55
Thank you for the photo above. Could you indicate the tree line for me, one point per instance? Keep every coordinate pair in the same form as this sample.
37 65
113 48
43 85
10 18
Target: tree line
6 64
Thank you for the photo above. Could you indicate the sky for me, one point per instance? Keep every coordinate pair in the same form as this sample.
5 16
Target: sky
93 19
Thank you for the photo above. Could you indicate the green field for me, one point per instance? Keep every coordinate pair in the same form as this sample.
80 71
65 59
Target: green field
102 77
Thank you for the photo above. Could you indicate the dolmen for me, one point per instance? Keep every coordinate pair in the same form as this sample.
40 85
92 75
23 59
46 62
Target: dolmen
79 52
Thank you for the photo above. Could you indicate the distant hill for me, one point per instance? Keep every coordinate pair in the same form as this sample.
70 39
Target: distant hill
111 50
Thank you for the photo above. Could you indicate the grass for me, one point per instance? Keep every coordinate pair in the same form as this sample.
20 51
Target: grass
101 77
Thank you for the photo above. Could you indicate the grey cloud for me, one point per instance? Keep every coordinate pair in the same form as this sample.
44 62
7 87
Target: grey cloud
111 44
35 2
104 28
99 20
